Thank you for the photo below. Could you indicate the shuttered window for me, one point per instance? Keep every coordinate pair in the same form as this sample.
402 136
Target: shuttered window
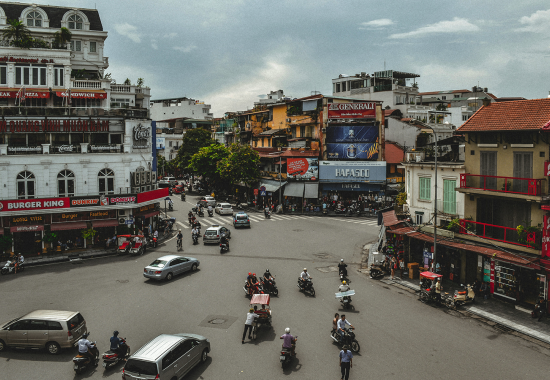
425 188
449 196
523 168
488 167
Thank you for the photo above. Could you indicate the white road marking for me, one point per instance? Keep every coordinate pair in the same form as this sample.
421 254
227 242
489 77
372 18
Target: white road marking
183 225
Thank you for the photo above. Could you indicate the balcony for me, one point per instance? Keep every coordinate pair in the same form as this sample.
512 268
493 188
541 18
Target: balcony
502 234
511 187
93 84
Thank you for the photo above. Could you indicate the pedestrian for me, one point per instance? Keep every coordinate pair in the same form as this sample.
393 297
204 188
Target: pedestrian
250 317
393 266
402 266
346 362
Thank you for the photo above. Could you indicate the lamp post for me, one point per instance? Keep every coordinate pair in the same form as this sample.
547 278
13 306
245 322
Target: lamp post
435 193
280 190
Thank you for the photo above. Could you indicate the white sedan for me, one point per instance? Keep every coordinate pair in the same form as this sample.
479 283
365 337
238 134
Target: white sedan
224 209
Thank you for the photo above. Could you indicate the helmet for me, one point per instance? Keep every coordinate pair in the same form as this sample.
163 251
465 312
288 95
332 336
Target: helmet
179 230
341 260
85 335
251 310
253 274
343 283
115 333
249 273
287 330
267 271
305 269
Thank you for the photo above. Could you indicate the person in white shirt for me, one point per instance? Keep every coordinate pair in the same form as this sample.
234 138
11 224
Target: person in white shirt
21 258
84 347
304 275
156 234
250 317
342 322
210 209
344 287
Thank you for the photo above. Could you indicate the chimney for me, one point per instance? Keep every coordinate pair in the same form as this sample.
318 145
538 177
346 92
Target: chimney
486 102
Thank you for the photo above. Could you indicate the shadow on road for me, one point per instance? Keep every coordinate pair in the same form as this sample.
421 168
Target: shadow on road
294 366
37 355
196 373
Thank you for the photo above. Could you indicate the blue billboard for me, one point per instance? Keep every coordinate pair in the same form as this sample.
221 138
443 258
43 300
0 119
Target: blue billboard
356 151
352 134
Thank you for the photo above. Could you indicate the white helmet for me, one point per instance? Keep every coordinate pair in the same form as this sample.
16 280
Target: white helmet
287 330
305 269
342 260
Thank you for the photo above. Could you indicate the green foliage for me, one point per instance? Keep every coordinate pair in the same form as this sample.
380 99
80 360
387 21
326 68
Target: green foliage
523 230
241 165
401 199
18 34
61 38
140 82
193 140
454 225
441 107
78 74
88 233
128 82
6 242
49 237
205 162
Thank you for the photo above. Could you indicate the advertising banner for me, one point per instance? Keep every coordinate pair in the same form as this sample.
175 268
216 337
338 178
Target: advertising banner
34 204
153 194
123 200
302 168
352 171
357 151
161 143
89 201
546 237
352 110
352 134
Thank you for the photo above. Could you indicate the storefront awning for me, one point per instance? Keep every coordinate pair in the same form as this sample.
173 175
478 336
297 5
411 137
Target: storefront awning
150 214
390 218
105 223
294 189
27 228
312 190
1 231
83 94
271 185
68 226
40 93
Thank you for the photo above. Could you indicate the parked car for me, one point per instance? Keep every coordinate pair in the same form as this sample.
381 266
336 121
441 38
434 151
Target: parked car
50 329
224 209
214 233
207 201
167 357
241 219
166 267
171 181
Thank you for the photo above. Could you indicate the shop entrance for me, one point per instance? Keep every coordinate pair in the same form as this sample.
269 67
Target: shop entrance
27 242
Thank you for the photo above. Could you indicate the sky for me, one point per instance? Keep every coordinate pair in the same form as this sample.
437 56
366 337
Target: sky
229 53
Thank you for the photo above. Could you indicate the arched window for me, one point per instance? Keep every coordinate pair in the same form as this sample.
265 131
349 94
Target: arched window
34 19
106 181
65 183
75 22
25 185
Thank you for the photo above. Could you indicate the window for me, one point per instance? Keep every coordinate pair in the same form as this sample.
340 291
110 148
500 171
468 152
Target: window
30 75
419 217
25 185
65 183
488 167
449 197
58 77
170 144
34 19
3 75
37 325
76 45
75 22
93 47
337 87
106 179
464 117
425 188
120 103
456 96
443 98
205 110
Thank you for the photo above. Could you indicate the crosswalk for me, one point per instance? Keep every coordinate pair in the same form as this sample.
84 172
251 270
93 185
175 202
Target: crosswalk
258 218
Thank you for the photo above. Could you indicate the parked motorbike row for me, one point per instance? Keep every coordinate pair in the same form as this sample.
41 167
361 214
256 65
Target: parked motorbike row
110 358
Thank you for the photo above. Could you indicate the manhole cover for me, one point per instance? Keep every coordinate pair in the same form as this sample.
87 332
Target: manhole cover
217 321
122 281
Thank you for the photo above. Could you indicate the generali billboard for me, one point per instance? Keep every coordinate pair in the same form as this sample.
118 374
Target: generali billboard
366 110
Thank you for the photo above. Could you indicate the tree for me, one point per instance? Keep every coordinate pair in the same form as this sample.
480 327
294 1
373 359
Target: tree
192 141
241 165
205 162
61 38
140 82
18 33
128 82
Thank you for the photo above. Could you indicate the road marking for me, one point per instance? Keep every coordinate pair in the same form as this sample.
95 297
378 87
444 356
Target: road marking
183 225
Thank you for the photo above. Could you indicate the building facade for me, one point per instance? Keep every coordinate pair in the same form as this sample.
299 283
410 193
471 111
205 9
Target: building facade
178 108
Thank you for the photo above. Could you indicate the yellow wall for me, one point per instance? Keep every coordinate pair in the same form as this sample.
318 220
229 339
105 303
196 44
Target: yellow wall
279 117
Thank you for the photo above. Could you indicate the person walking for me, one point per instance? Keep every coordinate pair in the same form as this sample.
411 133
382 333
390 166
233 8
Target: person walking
250 317
402 266
346 362
393 266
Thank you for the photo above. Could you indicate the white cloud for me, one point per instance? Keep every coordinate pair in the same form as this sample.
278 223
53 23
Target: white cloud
376 24
538 22
129 31
170 35
185 49
154 44
457 25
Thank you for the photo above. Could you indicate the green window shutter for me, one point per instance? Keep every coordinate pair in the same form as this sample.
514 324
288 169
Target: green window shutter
449 197
425 188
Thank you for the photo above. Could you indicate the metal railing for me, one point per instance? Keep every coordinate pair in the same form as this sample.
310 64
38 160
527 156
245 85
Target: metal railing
514 185
501 233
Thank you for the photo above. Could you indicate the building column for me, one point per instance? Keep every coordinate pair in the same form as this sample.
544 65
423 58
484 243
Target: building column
462 266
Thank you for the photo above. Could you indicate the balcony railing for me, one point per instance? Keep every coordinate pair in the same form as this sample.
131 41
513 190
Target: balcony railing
514 185
87 84
500 233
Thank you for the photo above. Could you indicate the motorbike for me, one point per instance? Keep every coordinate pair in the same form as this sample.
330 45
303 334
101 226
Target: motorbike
286 353
183 197
345 299
210 213
153 242
306 286
267 214
224 247
539 311
270 287
460 297
375 272
200 213
9 267
348 339
325 211
170 207
81 362
256 289
110 358
195 239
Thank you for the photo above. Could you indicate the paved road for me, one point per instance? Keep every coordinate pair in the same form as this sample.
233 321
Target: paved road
399 336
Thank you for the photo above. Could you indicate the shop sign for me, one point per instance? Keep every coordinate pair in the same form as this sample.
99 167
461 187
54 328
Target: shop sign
25 60
352 134
352 171
123 200
141 136
546 237
352 110
88 201
27 94
147 208
34 204
107 214
357 151
27 228
102 148
82 95
302 168
24 149
547 168
53 125
21 220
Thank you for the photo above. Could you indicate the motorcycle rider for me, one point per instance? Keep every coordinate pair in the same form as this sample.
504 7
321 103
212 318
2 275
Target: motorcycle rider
170 205
190 216
304 276
266 210
116 343
84 346
179 237
342 268
268 276
344 288
289 341
249 283
223 239
194 231
210 210
342 322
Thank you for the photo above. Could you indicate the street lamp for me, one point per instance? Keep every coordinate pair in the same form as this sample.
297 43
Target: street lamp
435 193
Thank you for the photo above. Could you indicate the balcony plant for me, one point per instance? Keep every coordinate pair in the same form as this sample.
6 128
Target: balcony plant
17 34
61 38
525 231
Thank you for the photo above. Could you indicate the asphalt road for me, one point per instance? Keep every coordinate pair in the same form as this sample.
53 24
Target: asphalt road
399 336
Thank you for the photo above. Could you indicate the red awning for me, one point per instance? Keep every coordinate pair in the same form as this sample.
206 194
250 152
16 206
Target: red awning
29 93
83 94
150 214
1 231
390 218
105 223
27 228
281 162
69 226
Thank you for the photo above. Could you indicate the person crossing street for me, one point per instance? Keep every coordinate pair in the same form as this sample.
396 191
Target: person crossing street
346 362
250 317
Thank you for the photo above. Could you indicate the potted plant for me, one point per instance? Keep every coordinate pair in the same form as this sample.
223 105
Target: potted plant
5 245
49 238
88 234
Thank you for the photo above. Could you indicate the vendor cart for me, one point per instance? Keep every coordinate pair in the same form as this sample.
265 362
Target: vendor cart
427 286
264 314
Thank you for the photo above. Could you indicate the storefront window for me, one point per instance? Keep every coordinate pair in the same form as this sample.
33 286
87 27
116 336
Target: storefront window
17 139
505 279
116 139
77 138
60 138
100 138
65 183
25 185
106 179
35 139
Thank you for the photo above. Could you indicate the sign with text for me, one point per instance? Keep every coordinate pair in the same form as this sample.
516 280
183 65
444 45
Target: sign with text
352 134
54 125
546 237
364 110
547 168
352 171
357 151
302 168
34 204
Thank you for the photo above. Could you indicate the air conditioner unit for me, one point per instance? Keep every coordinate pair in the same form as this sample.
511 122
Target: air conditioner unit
288 120
418 158
121 221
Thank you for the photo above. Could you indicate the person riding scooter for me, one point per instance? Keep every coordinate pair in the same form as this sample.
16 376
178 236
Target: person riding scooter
210 210
170 205
344 288
342 322
85 347
117 344
342 268
289 341
179 238
224 240
304 276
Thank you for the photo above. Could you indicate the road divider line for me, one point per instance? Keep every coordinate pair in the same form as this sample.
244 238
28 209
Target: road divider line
183 225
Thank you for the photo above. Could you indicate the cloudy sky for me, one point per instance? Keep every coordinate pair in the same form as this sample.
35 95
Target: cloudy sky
229 52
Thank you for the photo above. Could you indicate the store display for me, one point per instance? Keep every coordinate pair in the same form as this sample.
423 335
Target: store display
505 281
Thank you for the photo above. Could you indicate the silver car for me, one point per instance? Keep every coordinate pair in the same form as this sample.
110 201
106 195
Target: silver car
207 201
166 267
167 357
214 233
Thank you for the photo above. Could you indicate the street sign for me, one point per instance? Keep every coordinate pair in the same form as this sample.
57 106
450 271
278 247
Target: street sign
255 191
262 188
129 221
262 193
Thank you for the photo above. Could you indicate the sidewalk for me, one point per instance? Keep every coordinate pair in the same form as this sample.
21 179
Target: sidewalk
502 313
363 215
70 256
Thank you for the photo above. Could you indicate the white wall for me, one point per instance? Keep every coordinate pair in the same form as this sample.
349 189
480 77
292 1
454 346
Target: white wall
186 108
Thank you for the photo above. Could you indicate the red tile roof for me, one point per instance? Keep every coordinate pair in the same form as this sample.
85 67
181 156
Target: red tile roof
300 153
390 219
509 116
390 112
394 153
